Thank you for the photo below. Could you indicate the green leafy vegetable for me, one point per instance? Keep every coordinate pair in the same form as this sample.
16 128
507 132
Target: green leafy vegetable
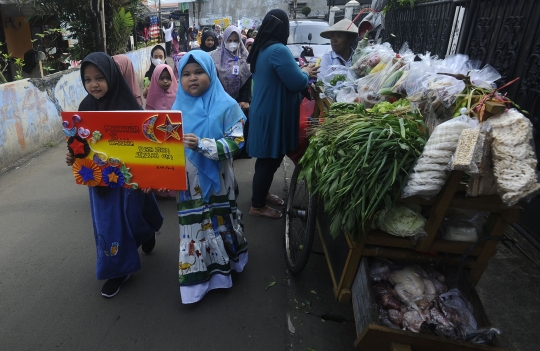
355 160
338 78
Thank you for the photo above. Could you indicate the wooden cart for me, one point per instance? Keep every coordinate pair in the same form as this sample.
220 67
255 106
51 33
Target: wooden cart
343 254
347 260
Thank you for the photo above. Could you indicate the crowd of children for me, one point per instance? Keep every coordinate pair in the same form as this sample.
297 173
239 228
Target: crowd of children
212 87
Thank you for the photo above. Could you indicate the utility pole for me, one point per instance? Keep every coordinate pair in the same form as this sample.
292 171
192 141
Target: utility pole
103 26
294 8
160 24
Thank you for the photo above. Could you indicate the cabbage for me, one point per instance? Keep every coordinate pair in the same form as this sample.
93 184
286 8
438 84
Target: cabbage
400 220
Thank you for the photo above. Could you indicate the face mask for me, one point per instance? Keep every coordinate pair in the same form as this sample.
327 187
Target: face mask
157 62
231 46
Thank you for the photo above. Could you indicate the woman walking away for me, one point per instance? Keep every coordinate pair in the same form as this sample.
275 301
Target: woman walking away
233 72
123 218
211 239
275 107
157 57
209 41
126 68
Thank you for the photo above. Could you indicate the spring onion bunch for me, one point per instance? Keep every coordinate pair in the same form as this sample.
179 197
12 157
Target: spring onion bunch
356 160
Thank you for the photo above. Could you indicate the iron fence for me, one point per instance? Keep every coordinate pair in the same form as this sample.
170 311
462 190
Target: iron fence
502 33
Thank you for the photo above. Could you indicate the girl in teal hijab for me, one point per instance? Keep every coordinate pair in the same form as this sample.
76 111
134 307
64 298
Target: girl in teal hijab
211 238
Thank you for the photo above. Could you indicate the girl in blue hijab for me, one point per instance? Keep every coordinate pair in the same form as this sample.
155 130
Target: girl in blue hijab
211 238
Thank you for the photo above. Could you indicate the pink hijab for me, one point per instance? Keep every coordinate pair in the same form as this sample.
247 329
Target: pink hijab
126 67
159 99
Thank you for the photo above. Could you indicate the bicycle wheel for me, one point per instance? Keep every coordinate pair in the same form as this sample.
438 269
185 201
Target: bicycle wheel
300 219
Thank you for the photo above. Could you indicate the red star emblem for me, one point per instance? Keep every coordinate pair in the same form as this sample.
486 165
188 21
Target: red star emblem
77 147
170 129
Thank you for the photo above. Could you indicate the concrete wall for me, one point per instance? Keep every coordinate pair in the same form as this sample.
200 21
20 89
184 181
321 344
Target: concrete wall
30 109
255 10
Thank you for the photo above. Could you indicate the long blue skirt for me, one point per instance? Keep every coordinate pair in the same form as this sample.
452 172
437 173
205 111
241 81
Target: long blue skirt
123 219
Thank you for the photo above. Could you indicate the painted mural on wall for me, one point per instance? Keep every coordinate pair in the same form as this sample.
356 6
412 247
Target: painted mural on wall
30 108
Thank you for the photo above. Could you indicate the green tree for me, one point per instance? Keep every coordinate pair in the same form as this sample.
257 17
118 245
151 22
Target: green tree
46 41
4 64
83 20
306 10
122 26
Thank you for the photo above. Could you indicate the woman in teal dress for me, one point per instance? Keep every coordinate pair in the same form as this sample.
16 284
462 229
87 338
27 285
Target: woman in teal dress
275 107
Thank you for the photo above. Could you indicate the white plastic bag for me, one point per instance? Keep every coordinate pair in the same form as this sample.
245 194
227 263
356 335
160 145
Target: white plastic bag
485 77
430 172
347 94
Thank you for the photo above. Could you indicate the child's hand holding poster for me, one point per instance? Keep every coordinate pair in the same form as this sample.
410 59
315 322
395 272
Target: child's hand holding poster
133 149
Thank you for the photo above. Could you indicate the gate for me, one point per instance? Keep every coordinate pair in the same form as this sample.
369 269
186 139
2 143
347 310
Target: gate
502 33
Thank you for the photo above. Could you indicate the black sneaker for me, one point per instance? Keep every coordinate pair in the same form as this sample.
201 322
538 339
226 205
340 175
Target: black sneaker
112 286
149 245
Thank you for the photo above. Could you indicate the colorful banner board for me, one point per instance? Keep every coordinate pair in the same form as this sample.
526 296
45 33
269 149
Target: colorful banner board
132 149
223 22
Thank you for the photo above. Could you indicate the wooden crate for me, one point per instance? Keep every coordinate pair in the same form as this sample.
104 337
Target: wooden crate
372 336
343 255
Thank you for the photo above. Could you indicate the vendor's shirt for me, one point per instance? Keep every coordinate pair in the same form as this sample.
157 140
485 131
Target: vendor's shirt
333 59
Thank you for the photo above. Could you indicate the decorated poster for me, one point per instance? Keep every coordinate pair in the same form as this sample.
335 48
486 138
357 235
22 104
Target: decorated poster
131 149
247 23
223 22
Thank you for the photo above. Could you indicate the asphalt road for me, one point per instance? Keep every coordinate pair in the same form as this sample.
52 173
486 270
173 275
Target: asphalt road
50 298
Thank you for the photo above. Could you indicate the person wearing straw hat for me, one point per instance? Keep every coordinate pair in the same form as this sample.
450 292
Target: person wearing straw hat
342 36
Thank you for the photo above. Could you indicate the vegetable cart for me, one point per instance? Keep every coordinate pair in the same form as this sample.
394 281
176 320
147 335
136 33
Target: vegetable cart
347 258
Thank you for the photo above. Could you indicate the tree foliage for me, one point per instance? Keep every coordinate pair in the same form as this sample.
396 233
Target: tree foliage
83 20
306 10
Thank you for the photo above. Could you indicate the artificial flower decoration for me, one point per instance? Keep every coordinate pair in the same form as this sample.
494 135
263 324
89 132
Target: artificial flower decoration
126 173
78 146
96 136
86 172
100 159
113 177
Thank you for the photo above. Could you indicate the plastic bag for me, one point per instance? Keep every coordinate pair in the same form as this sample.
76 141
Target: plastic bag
361 50
346 94
469 150
384 319
446 88
456 64
378 5
332 80
455 300
485 78
514 159
482 336
369 86
430 172
379 269
466 226
374 56
482 184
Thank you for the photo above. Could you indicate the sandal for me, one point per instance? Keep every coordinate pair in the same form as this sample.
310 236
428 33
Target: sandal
274 200
267 212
